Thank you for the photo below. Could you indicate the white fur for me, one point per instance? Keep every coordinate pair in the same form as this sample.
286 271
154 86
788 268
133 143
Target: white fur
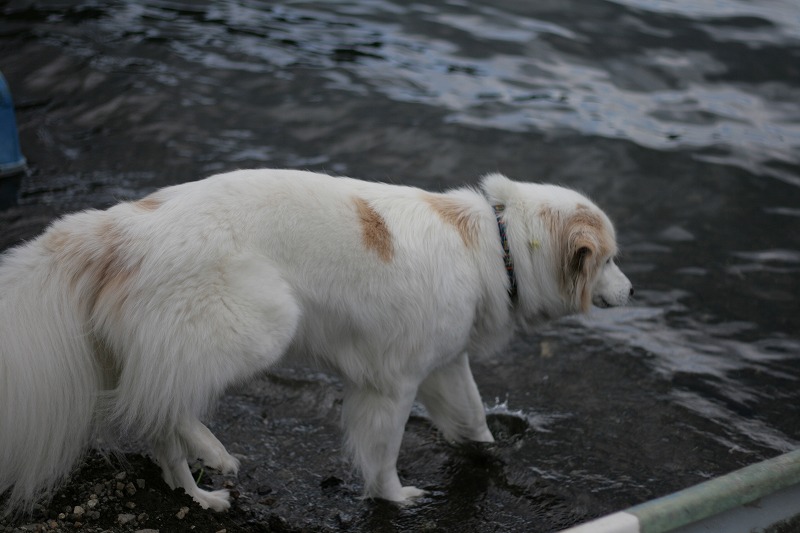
612 288
131 322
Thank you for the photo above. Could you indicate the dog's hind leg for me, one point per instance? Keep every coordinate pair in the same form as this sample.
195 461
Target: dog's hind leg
170 454
180 357
202 444
453 402
374 422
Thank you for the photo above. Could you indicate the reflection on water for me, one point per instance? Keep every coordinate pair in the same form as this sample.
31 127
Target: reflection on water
510 70
707 363
680 117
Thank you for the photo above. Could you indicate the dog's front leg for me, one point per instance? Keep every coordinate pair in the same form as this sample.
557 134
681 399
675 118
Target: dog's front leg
202 444
374 422
451 397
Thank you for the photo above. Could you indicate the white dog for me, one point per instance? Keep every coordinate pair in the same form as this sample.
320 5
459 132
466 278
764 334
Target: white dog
131 322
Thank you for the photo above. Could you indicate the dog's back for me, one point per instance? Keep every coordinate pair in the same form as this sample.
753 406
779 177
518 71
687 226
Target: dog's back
133 320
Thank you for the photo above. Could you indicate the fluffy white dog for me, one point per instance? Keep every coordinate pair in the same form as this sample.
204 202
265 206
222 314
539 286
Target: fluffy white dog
131 322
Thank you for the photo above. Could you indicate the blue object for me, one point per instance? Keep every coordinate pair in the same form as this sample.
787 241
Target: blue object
11 159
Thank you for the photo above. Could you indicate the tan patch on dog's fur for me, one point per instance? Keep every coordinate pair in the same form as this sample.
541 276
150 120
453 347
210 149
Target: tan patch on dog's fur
68 252
551 219
455 213
95 262
374 232
56 240
112 275
148 203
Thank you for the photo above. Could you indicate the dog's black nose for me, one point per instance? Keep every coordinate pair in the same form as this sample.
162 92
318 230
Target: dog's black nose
631 293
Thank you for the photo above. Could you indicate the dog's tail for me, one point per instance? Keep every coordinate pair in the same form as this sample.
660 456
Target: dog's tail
48 378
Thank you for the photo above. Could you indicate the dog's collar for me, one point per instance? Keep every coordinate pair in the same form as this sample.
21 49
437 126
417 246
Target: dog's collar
501 226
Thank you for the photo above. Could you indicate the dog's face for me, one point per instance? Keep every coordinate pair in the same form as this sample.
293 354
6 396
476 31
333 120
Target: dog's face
612 288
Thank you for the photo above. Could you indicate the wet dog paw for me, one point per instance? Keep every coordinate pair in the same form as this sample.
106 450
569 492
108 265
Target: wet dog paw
409 494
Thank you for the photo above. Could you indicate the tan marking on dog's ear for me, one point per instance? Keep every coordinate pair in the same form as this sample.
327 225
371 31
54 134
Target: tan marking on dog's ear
148 203
583 270
584 243
374 232
455 213
585 216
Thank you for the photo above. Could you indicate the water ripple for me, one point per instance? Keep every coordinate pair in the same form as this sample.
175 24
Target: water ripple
519 72
677 344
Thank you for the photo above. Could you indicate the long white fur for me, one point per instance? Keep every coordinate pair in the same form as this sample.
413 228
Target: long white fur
134 320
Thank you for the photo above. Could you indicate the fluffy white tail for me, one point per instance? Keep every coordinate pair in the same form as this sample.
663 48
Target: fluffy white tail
49 378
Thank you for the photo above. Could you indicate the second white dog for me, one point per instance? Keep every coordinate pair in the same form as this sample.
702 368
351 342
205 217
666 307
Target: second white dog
134 320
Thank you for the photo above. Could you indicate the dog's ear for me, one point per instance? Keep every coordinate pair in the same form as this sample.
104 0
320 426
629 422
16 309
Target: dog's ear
582 254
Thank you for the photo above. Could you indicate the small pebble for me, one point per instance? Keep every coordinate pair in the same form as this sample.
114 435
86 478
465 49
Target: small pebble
130 505
130 489
140 483
78 510
121 476
92 503
182 513
125 518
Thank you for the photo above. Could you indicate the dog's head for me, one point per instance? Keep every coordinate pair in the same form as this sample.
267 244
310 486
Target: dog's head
562 246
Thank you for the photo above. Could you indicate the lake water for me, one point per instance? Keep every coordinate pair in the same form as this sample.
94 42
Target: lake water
681 118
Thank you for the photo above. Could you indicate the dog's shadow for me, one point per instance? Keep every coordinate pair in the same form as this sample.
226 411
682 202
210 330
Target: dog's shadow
465 474
474 468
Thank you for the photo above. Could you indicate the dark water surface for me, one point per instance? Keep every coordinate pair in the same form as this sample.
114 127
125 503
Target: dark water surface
681 118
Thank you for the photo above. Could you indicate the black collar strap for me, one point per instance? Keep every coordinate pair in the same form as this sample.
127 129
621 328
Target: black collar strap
501 226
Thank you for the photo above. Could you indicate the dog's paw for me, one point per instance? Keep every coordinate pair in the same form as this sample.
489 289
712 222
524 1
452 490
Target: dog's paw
229 466
224 463
409 494
218 500
217 458
483 435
